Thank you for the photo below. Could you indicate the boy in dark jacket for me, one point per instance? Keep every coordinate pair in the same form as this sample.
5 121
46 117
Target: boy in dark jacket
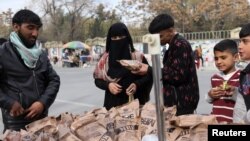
244 52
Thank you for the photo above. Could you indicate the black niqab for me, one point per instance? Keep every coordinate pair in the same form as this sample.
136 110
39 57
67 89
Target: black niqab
118 49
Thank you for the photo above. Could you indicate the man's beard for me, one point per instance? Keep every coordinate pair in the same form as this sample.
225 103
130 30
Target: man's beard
24 41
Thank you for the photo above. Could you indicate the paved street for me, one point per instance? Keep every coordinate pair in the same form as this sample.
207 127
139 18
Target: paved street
78 92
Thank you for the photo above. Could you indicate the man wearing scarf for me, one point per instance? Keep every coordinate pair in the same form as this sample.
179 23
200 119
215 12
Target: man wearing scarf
28 83
117 81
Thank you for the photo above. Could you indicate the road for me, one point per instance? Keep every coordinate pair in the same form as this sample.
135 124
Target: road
78 92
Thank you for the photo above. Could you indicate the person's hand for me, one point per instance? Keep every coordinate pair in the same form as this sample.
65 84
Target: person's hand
216 93
230 90
16 109
34 110
114 88
142 71
131 89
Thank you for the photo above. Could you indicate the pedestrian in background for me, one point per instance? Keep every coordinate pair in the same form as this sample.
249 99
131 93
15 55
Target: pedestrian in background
224 84
28 83
197 58
200 57
179 77
117 81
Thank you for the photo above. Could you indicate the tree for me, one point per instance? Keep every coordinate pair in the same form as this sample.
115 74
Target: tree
133 11
195 15
76 11
65 18
96 28
222 14
5 30
102 20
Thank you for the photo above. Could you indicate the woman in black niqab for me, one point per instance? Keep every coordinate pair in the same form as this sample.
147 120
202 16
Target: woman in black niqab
119 45
118 49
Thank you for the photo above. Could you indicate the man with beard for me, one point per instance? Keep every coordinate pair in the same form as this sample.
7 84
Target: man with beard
117 81
28 83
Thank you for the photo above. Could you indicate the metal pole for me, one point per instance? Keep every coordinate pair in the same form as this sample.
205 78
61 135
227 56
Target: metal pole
157 75
153 41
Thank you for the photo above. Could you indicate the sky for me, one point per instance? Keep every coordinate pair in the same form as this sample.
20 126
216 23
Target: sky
16 5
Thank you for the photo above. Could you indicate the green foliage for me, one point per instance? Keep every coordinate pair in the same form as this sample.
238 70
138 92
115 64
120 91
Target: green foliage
103 19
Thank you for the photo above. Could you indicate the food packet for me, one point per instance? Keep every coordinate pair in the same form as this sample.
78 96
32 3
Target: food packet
148 119
47 125
130 110
87 128
224 86
132 65
127 129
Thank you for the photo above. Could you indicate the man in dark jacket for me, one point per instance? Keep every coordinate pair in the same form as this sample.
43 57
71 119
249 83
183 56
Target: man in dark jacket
2 40
28 83
179 77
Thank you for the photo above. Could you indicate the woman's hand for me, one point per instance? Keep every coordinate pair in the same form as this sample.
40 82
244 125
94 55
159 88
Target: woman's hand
142 71
114 88
131 89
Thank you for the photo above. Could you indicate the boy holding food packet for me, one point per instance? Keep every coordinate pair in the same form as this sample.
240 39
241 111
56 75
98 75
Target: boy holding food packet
224 83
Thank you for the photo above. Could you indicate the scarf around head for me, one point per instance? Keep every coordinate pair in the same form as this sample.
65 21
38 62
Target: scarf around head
29 55
118 50
101 68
